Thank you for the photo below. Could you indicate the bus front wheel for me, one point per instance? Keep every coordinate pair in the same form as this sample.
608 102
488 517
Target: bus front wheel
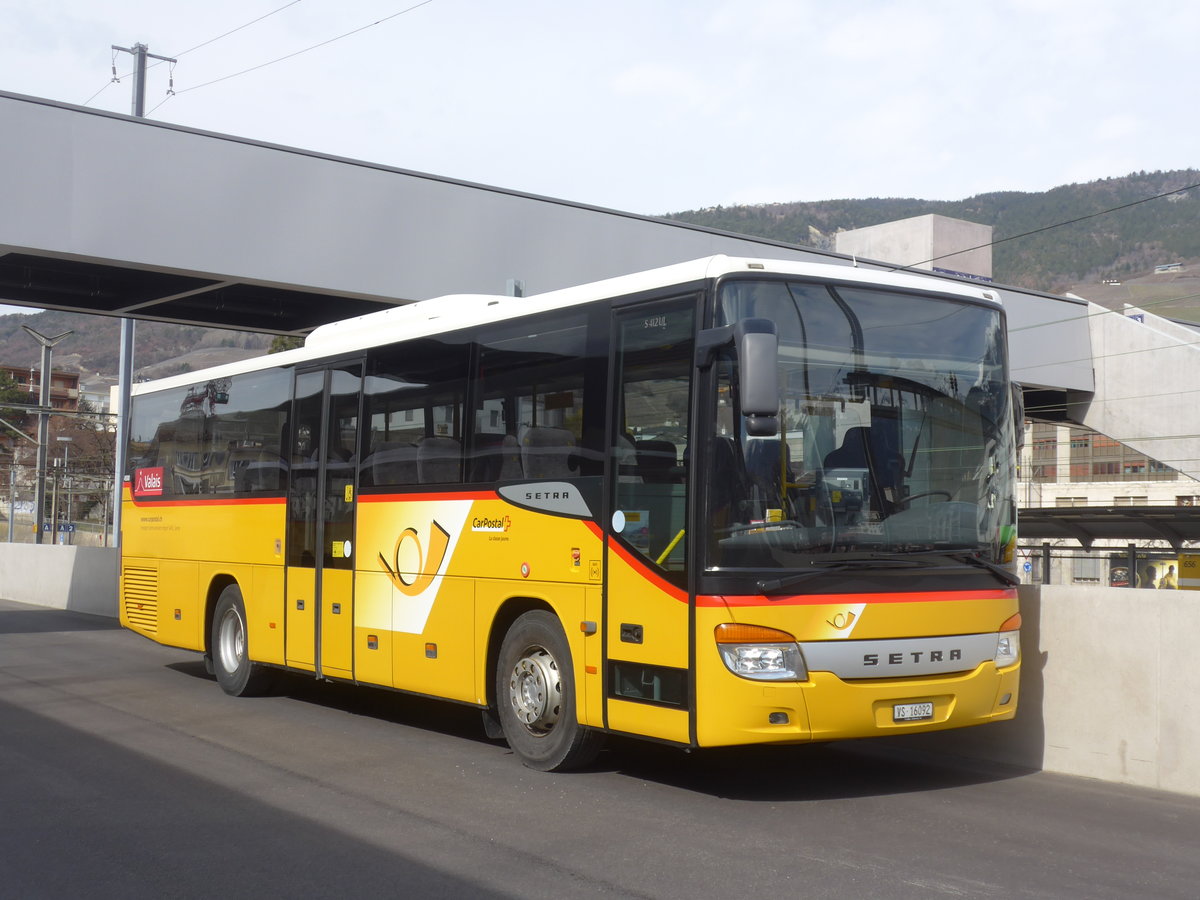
535 696
236 674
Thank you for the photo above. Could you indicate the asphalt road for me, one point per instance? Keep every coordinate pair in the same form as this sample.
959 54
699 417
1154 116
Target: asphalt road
126 772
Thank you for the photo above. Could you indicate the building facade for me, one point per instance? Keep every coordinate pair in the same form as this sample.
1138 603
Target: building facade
1068 466
64 386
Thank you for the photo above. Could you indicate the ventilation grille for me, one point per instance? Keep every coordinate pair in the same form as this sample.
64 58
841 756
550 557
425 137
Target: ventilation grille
140 597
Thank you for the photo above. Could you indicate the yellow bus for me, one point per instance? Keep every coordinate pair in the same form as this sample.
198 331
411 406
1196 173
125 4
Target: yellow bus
725 502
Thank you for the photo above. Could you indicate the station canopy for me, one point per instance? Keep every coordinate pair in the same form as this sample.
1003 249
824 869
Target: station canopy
110 289
1177 525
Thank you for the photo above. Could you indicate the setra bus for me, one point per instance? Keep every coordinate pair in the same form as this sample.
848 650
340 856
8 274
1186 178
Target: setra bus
725 502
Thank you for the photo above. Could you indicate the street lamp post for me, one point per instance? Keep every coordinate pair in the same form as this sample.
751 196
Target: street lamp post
43 426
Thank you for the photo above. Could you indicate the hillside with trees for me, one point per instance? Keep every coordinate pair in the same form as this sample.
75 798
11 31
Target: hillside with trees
1099 245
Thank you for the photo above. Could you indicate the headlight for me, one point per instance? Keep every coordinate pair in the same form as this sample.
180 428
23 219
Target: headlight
763 654
1008 643
1008 648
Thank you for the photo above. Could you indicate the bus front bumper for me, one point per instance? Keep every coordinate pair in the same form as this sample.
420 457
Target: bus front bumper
737 711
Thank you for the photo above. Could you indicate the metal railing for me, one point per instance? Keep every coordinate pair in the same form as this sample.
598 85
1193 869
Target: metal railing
78 505
1128 566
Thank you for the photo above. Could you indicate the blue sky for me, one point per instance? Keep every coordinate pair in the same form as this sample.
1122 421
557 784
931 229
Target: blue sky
657 106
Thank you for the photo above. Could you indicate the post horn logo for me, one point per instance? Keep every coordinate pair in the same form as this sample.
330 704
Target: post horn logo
842 620
413 580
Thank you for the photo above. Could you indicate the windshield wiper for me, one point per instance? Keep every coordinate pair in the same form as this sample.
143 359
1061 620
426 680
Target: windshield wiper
917 560
971 559
824 567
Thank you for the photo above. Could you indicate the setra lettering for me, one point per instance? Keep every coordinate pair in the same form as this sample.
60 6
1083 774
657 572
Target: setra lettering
547 495
916 657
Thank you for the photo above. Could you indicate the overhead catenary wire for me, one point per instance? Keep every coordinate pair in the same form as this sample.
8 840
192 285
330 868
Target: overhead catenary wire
1077 219
1028 233
116 78
1087 401
1145 306
1103 311
1093 357
415 6
293 55
236 30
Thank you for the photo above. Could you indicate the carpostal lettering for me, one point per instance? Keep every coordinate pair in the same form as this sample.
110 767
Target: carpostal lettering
500 523
916 656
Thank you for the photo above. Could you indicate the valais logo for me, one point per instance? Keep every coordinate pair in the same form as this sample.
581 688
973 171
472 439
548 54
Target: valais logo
148 482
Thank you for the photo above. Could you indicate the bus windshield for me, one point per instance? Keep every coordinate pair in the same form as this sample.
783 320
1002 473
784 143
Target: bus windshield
896 433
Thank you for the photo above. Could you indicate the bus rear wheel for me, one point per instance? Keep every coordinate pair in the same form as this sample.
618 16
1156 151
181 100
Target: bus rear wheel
236 674
535 697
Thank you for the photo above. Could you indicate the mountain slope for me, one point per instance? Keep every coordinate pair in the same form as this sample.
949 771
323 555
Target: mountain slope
94 345
1103 245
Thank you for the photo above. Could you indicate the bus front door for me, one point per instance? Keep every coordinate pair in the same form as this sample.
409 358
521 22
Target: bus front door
321 502
647 607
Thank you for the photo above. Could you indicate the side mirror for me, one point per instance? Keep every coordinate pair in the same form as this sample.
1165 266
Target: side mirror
758 363
757 347
1018 407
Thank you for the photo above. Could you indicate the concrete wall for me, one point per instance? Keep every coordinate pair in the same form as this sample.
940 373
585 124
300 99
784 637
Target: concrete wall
82 579
1109 688
1144 366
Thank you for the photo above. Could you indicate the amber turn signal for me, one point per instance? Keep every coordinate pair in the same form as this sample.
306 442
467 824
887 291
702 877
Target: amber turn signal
737 633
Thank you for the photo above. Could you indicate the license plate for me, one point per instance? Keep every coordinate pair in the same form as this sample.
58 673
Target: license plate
912 712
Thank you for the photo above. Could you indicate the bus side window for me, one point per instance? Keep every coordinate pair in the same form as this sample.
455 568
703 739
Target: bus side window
223 436
650 439
439 460
548 452
497 458
413 412
530 421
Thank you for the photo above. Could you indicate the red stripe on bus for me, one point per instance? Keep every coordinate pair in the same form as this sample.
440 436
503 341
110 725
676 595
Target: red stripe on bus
718 600
427 496
642 569
219 501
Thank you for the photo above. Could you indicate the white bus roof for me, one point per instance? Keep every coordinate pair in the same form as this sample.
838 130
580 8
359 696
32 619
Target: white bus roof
454 311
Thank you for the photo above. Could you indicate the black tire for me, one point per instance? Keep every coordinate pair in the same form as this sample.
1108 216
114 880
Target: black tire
230 651
535 697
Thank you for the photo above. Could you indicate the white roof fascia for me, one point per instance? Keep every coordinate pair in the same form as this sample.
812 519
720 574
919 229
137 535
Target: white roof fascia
440 315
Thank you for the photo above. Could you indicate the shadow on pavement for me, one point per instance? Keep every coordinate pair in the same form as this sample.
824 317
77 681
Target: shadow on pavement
136 827
802 772
410 710
824 771
18 618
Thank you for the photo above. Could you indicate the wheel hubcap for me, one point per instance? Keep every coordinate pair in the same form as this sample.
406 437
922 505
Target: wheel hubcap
231 646
535 690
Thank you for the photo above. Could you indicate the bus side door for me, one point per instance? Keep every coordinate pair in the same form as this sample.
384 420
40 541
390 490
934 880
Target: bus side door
321 502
